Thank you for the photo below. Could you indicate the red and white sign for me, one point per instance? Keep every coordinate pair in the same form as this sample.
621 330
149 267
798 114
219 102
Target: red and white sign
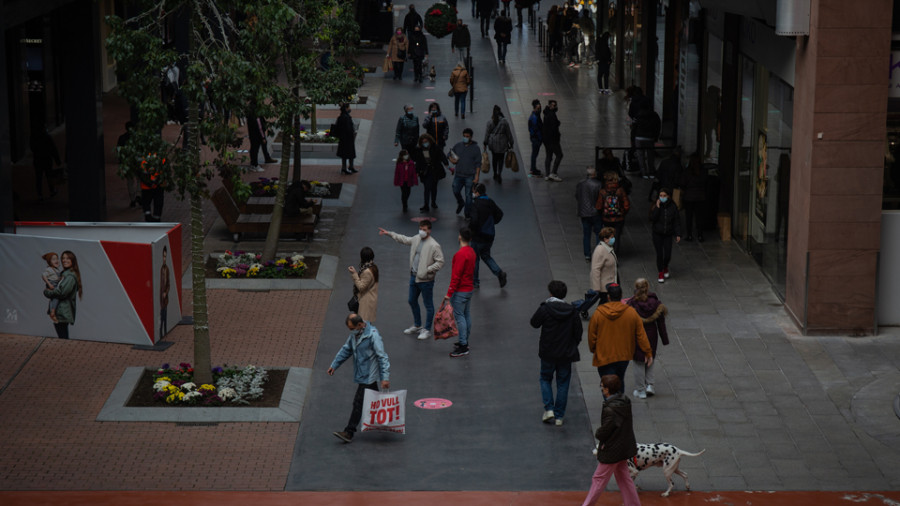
384 411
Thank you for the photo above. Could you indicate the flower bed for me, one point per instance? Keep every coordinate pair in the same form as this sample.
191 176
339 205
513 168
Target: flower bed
231 385
265 187
240 264
440 20
268 187
320 136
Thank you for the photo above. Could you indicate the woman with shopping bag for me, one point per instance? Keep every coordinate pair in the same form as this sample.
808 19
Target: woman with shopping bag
459 293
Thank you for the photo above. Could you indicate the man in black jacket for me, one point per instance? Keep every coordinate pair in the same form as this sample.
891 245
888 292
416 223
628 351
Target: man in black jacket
560 334
646 128
551 137
484 215
418 51
412 20
503 35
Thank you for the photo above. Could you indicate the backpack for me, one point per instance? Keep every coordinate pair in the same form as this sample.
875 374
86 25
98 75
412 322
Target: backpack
612 206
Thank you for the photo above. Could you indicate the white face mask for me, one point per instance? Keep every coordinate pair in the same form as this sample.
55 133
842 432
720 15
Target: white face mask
406 157
423 234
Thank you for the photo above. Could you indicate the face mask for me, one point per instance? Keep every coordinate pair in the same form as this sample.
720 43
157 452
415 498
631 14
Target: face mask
358 332
423 234
612 240
467 139
399 32
406 157
664 199
409 113
426 144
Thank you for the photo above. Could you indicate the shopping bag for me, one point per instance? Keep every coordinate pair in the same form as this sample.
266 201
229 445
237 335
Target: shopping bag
445 322
388 64
485 162
384 411
512 162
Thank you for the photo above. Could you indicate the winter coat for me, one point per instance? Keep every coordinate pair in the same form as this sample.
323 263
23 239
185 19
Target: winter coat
484 7
694 186
560 330
535 127
550 133
604 267
436 125
623 202
411 21
665 219
370 362
485 214
586 194
615 435
405 173
669 173
67 293
433 165
418 45
459 79
614 331
461 38
503 29
653 314
587 25
407 131
647 125
366 289
431 258
604 55
398 43
346 134
498 138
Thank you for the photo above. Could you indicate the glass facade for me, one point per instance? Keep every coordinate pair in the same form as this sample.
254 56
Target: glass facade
632 38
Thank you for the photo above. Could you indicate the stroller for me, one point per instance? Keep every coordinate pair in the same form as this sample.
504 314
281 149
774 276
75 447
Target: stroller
583 306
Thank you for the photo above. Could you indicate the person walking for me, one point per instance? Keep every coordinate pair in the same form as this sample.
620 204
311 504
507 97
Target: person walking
613 204
586 194
535 134
467 157
646 130
558 347
614 331
397 52
604 263
407 132
412 20
604 60
418 51
459 293
665 224
152 192
502 35
461 39
694 183
370 364
44 154
669 174
365 284
425 260
485 8
587 33
459 82
554 30
653 314
551 137
485 215
498 139
68 287
346 134
256 131
430 162
405 177
435 124
615 444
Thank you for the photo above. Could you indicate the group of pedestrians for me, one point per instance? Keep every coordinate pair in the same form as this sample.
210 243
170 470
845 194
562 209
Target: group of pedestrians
545 132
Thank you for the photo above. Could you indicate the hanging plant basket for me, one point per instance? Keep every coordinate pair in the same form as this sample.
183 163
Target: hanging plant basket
440 20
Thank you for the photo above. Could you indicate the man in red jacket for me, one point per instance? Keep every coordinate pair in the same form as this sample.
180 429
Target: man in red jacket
459 293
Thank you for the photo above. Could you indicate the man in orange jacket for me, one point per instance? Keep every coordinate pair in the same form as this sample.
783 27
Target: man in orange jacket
614 331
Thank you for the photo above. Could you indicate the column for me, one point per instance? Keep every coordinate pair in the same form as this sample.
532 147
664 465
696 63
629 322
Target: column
840 113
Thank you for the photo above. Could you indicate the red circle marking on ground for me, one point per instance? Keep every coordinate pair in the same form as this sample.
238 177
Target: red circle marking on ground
433 403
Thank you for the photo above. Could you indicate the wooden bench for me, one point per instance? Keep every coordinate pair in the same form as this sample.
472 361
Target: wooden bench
239 223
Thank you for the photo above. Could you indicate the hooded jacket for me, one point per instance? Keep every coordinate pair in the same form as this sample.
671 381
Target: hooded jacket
550 134
613 333
653 314
616 432
560 330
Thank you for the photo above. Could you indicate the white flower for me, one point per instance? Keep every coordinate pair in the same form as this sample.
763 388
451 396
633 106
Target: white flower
187 387
256 266
159 386
297 258
192 395
226 393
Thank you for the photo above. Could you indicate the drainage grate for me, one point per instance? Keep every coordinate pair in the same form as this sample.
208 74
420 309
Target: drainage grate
196 424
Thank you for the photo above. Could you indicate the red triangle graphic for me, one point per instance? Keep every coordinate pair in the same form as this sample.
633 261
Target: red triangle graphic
133 264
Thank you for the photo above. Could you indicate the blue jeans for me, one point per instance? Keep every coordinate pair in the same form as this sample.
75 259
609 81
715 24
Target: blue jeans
461 302
535 149
459 102
617 368
459 183
426 288
563 371
483 251
594 223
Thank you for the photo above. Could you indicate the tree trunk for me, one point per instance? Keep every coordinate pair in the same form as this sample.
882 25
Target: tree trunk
312 121
271 246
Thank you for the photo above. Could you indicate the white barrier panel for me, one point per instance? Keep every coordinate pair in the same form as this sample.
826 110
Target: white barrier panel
130 279
888 300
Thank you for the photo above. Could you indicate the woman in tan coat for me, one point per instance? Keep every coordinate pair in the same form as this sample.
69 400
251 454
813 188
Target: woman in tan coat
604 263
460 81
397 52
365 284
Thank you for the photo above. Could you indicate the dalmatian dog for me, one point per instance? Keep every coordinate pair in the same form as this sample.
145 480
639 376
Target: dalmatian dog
663 455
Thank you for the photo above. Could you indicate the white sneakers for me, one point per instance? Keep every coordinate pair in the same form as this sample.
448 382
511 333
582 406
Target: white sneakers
412 330
640 394
548 416
256 168
650 391
559 422
424 334
553 177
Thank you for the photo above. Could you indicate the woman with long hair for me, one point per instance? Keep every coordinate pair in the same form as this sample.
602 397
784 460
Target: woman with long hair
69 285
430 161
653 314
498 139
365 284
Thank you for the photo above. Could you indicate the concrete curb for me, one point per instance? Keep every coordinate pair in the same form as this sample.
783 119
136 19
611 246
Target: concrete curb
289 410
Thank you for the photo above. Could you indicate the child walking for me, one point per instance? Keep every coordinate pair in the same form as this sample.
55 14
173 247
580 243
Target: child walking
405 177
51 279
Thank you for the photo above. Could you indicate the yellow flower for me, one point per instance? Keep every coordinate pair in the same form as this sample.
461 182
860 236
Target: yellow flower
207 388
164 378
281 262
